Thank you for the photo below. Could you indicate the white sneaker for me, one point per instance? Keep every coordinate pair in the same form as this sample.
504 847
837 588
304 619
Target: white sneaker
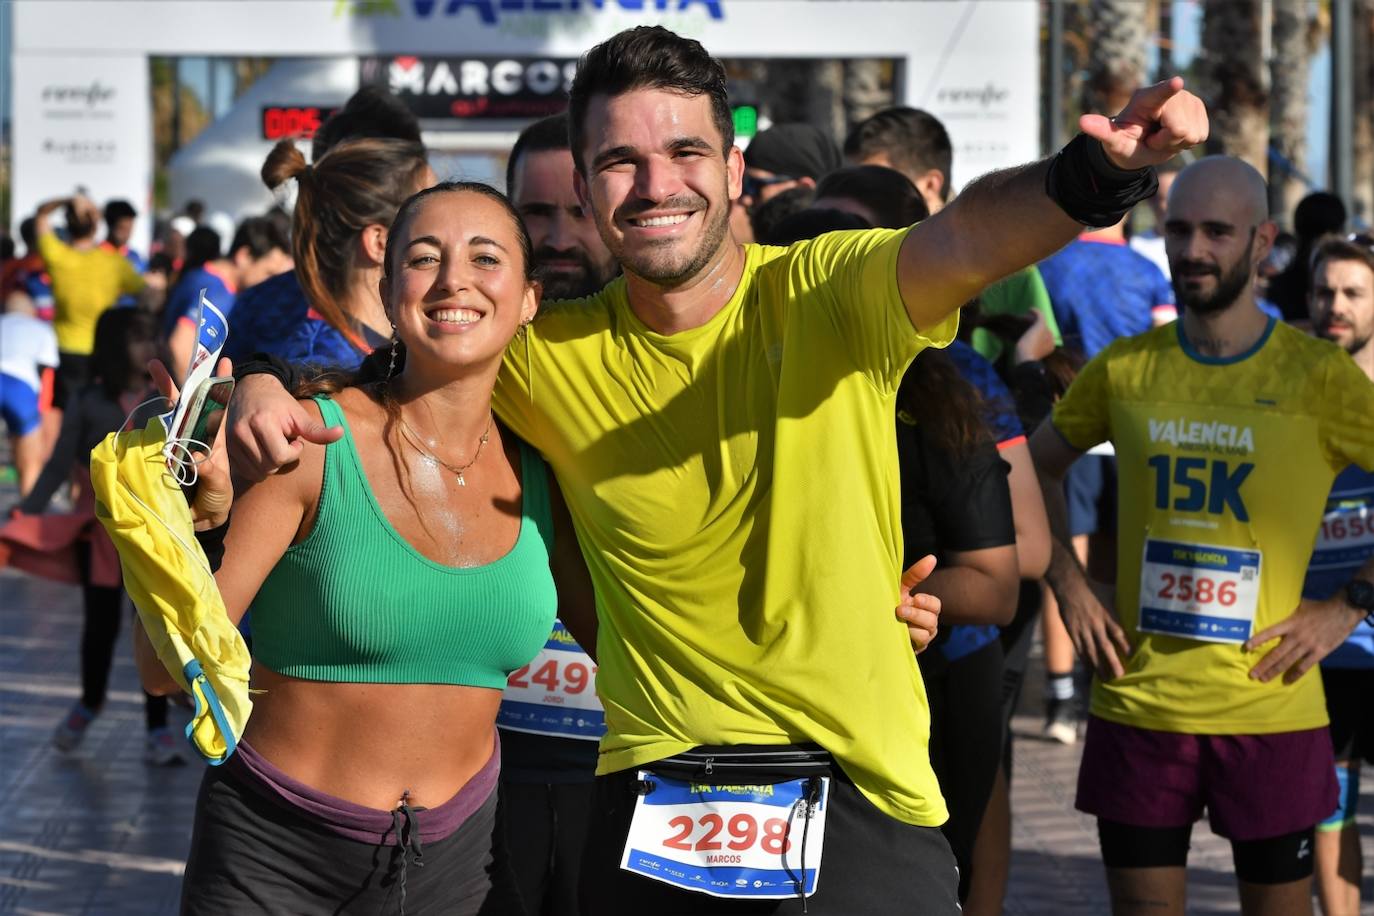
162 749
1061 722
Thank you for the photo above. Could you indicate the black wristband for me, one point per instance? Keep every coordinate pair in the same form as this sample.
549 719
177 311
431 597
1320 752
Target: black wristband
212 542
1090 189
267 364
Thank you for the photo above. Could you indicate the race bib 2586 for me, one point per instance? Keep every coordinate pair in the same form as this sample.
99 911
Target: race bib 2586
1199 591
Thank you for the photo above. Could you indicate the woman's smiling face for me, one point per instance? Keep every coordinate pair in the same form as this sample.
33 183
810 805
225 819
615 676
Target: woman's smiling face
457 288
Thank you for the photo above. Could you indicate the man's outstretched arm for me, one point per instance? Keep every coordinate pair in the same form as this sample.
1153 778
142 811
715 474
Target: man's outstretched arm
1009 219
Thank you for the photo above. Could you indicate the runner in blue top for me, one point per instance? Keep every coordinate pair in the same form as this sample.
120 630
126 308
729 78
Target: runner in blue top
1001 415
1341 303
345 202
278 320
258 251
274 315
1101 289
203 269
315 314
267 312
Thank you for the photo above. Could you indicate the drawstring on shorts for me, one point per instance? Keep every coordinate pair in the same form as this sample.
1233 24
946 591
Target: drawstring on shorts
407 832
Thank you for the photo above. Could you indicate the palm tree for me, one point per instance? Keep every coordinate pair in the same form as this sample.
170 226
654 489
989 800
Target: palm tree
1294 39
1236 79
1116 54
1364 110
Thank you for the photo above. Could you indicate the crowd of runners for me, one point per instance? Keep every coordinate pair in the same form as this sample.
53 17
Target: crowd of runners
670 532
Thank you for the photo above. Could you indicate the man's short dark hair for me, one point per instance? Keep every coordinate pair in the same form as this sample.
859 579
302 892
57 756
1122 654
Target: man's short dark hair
887 193
202 246
78 225
371 112
770 213
259 234
549 133
807 224
914 141
160 263
117 210
1339 248
647 57
1317 214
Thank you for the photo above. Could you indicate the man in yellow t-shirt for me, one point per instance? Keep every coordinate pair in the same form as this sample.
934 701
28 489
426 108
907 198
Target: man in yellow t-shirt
1229 428
720 423
86 280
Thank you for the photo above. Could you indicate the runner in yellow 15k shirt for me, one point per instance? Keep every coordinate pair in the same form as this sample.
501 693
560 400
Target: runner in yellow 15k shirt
1229 428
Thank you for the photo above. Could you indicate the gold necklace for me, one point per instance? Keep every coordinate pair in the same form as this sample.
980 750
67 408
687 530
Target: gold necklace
417 443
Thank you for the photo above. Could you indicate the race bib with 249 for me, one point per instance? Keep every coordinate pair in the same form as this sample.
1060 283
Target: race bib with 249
555 694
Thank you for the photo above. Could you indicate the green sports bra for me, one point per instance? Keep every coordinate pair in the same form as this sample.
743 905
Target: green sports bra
354 602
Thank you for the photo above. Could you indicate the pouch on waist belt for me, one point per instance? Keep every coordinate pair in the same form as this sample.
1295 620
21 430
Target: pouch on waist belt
754 762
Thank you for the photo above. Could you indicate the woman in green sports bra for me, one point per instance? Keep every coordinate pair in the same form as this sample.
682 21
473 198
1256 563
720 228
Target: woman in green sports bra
395 577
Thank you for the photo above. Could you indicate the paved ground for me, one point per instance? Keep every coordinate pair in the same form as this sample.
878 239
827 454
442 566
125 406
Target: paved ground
99 832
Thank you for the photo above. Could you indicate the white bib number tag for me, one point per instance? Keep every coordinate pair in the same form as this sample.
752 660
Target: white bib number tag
556 693
1199 591
1347 533
760 842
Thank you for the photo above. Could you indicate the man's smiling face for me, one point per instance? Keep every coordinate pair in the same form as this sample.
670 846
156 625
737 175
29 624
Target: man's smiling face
659 182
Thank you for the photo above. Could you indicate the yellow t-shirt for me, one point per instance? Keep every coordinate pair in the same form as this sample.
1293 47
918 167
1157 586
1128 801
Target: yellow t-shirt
735 491
84 284
1224 466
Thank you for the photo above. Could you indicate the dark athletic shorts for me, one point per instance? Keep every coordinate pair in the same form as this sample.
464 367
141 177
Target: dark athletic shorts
1350 703
1252 786
965 698
545 825
1090 491
547 784
253 854
873 864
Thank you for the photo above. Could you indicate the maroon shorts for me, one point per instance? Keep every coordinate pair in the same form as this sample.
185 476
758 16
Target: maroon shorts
1252 786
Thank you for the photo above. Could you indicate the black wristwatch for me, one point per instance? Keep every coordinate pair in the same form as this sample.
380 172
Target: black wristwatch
1359 594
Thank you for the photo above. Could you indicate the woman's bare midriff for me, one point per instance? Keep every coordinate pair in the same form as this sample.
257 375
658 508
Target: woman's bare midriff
370 743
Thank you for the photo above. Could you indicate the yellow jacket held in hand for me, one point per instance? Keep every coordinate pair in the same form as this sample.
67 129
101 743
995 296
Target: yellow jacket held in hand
169 579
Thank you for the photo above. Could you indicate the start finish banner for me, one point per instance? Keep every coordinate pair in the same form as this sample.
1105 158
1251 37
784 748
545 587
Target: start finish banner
83 122
974 65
